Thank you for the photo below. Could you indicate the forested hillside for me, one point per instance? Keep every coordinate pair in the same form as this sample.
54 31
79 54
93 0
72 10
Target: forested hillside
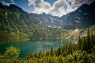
18 25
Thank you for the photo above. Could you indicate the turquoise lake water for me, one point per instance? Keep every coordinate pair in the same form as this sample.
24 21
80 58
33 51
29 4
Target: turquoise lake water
33 46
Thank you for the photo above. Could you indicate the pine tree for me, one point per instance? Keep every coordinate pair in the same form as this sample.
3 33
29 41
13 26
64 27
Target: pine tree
59 51
47 53
89 42
84 45
92 39
52 51
29 56
75 58
40 54
69 48
36 55
79 43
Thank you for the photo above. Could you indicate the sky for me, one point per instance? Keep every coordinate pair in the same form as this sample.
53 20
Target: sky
53 7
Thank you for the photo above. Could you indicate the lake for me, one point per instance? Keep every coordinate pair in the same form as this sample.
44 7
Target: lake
33 46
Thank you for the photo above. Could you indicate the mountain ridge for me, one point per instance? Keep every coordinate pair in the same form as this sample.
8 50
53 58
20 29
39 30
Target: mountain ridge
84 14
83 17
72 20
16 24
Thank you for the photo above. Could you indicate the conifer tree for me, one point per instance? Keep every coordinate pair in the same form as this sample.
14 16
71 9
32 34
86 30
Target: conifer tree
84 44
36 55
47 53
92 39
79 43
89 42
70 48
29 56
59 51
51 51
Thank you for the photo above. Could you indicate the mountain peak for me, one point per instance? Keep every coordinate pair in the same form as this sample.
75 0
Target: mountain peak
83 17
1 5
14 8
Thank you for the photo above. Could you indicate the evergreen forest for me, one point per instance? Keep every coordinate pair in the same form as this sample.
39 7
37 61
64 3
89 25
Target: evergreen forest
82 52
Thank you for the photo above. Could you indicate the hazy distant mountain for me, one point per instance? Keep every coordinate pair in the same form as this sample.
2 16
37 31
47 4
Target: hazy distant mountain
49 20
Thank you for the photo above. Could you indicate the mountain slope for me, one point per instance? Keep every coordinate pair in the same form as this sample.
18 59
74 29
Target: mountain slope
83 17
16 25
49 20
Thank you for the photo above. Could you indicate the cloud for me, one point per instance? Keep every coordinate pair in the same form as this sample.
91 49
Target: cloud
12 1
59 7
62 7
79 2
5 3
8 4
40 6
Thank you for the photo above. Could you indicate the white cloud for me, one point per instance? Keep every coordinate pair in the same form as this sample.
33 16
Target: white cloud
5 3
12 1
59 7
40 6
79 2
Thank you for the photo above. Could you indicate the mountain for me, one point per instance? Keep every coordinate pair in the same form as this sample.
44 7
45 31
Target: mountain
18 25
49 20
83 17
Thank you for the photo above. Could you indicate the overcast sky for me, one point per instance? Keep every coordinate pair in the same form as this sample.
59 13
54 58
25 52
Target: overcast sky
53 7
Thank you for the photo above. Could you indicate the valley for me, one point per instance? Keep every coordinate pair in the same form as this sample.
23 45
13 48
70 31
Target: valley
45 37
18 25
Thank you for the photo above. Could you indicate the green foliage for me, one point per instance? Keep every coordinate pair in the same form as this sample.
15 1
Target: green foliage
51 51
11 52
79 43
87 43
64 54
18 25
29 56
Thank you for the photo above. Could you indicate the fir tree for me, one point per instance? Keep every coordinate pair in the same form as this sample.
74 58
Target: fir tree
89 42
79 43
52 51
29 56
